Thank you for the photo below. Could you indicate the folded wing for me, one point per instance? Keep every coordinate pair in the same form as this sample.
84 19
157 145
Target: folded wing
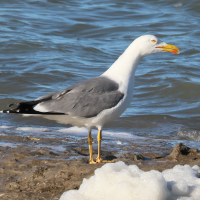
85 99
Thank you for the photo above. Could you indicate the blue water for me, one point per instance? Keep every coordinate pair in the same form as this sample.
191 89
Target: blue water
48 45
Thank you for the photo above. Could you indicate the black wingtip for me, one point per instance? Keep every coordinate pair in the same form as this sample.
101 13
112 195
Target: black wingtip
4 111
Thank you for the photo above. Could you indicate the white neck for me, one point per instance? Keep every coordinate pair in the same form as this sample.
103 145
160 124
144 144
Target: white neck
123 69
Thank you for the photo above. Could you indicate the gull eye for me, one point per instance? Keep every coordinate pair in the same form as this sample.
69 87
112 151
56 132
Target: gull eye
153 41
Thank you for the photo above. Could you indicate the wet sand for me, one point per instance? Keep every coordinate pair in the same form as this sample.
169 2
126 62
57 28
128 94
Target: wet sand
43 168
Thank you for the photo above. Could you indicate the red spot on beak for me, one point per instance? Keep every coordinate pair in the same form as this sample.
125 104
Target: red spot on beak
174 51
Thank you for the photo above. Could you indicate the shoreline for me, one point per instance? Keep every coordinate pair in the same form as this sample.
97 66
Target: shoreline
44 168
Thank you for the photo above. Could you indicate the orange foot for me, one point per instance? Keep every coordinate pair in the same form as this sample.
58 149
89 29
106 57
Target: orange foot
100 160
92 161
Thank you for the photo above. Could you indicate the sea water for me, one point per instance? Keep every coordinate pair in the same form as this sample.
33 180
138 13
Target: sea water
48 45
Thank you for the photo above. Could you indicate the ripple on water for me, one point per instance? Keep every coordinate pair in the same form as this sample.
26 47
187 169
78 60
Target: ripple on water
49 45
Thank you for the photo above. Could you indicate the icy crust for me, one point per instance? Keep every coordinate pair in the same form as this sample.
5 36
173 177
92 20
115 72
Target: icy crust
118 181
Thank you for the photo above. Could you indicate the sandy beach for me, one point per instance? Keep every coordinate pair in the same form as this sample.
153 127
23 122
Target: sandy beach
32 170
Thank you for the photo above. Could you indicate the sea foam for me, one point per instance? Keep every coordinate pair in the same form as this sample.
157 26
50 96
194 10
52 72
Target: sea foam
109 134
33 129
118 181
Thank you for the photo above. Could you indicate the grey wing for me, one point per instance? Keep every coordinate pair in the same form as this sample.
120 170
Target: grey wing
85 99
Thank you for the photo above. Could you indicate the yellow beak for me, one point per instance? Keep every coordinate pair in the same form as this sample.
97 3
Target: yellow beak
170 48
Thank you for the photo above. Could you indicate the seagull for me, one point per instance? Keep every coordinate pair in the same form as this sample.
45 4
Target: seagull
95 102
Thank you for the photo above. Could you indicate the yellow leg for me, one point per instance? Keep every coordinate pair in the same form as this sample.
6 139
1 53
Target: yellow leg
99 138
99 159
90 140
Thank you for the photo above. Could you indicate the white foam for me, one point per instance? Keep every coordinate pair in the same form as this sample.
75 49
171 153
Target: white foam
78 131
118 181
32 129
6 127
124 135
75 130
83 131
178 5
119 142
192 134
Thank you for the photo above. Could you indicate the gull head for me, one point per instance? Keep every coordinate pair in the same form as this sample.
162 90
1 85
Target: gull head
148 44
